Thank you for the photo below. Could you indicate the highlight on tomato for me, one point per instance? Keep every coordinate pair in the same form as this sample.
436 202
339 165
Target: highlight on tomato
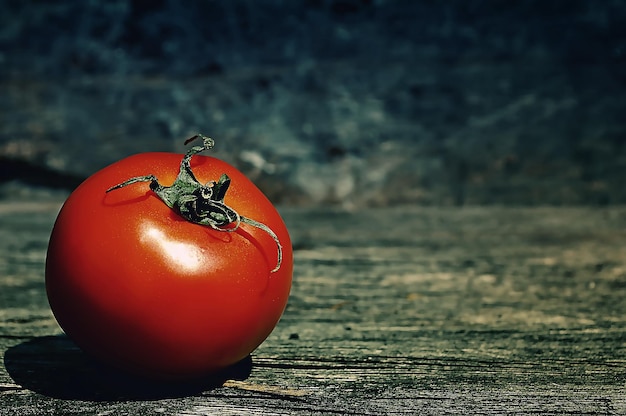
169 268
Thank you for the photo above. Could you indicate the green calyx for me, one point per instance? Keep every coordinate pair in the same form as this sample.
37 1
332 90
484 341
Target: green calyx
198 203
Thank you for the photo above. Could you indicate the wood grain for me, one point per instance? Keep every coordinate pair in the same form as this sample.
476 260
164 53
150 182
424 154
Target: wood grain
399 311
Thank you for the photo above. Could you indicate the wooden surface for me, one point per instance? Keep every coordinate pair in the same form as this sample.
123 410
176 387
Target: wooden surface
406 311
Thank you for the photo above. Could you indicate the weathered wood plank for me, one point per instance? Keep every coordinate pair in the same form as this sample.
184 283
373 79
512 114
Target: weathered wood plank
411 310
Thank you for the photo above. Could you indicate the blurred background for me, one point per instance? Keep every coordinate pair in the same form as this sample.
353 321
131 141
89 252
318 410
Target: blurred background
354 103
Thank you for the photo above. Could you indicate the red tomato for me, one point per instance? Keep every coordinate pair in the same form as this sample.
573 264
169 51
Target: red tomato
134 283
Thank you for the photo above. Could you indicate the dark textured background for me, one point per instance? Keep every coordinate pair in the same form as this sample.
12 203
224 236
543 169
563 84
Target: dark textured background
350 102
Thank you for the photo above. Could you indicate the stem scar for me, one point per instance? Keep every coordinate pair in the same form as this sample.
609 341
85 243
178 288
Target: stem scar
198 203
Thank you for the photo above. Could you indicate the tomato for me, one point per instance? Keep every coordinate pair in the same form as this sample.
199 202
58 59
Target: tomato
136 284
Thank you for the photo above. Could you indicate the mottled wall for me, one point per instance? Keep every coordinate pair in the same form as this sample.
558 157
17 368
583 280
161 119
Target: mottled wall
350 102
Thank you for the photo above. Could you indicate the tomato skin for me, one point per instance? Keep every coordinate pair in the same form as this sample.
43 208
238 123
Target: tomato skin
138 286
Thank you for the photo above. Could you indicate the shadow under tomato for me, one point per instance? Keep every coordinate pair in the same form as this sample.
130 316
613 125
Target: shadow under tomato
55 367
